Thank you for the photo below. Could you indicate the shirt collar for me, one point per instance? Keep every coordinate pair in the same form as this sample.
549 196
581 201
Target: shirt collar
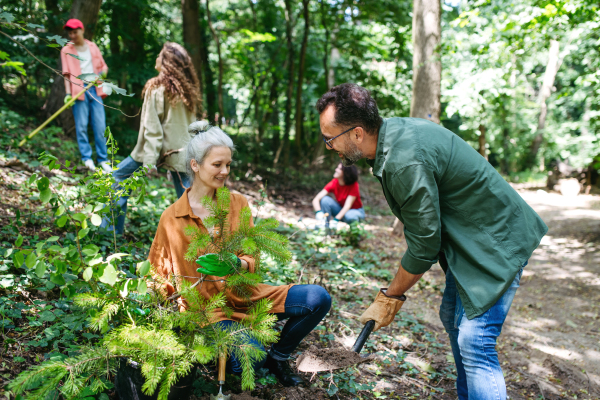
182 206
379 160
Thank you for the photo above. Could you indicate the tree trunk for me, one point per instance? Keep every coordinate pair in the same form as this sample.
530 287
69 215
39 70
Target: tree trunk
482 131
87 12
545 92
55 22
335 56
271 106
299 118
220 81
326 45
191 34
285 144
427 65
505 165
209 85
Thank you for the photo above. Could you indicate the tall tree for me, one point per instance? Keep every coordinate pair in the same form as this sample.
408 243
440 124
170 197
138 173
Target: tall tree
301 67
324 14
87 12
191 33
545 92
211 106
427 64
220 82
482 140
289 29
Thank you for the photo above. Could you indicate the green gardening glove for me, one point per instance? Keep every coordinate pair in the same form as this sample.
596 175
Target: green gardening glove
68 99
211 264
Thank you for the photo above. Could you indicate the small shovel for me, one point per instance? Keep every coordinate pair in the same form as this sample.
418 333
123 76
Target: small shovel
315 360
222 364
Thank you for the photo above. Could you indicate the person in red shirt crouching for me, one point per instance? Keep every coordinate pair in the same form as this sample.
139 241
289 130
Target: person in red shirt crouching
346 206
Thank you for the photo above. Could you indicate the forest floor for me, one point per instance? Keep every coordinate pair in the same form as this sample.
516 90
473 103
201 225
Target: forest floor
549 348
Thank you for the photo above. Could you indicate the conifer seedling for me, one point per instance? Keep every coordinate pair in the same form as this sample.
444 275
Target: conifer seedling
145 327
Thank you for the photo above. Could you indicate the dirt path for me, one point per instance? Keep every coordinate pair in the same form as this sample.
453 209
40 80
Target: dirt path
556 310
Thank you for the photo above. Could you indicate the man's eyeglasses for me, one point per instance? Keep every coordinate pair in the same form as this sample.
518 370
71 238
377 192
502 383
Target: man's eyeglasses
328 141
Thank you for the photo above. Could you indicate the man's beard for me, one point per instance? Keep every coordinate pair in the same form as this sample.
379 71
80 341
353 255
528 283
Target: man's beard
351 155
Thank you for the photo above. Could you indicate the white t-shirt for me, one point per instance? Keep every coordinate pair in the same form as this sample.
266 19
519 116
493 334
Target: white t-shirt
86 61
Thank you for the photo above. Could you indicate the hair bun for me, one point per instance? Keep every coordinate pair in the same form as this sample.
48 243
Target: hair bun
198 126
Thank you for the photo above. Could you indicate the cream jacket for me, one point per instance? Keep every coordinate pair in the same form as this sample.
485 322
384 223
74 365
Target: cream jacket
163 128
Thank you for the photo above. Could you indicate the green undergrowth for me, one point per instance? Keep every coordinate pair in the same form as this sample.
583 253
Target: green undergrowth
39 320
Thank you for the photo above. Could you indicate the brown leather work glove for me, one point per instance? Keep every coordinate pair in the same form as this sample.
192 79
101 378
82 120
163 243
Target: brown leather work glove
383 310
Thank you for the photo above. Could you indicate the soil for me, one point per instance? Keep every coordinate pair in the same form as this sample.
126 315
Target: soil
300 393
316 360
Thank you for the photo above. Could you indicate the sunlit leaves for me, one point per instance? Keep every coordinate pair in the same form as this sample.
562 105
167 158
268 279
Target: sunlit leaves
143 268
96 220
88 273
88 77
109 88
61 41
62 221
110 275
44 188
6 17
142 287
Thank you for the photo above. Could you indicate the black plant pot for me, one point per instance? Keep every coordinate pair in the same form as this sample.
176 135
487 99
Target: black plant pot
129 381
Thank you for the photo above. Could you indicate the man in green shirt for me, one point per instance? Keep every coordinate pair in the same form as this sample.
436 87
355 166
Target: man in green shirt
456 209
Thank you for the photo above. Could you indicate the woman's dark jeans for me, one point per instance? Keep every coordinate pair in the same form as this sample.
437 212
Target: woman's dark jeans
124 170
305 306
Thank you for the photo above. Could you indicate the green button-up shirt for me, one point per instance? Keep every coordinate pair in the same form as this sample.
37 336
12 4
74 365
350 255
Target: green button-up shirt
451 200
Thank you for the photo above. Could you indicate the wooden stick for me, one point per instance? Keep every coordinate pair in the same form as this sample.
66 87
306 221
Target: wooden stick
222 364
56 114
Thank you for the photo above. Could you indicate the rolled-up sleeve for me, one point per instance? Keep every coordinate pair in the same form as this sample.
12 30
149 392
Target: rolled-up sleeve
415 190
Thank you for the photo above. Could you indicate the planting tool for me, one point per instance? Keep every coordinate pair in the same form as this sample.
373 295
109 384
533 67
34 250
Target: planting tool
56 114
330 359
363 336
220 395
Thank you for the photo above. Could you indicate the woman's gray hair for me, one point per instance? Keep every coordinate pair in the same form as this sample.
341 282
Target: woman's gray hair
204 138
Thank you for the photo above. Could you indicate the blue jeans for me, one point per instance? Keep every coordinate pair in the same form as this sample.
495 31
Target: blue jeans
479 375
332 207
126 168
85 111
305 306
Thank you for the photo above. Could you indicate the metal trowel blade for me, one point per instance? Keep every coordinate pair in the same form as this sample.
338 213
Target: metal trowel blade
220 395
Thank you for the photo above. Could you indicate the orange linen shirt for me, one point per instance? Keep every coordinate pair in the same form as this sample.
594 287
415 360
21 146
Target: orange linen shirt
171 243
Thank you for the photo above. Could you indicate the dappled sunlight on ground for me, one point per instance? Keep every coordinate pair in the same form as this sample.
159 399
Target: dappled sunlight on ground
556 309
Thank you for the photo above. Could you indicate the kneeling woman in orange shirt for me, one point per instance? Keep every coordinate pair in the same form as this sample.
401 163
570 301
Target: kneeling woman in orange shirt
208 161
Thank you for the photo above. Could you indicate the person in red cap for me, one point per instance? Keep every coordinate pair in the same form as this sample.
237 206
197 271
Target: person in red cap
89 105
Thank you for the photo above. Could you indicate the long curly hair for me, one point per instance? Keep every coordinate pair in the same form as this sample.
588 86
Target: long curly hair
178 76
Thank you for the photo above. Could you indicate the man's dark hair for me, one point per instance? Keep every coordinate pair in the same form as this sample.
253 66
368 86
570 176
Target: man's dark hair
353 106
68 29
350 174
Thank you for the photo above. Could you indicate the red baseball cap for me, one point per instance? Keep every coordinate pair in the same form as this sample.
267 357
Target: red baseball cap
73 24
